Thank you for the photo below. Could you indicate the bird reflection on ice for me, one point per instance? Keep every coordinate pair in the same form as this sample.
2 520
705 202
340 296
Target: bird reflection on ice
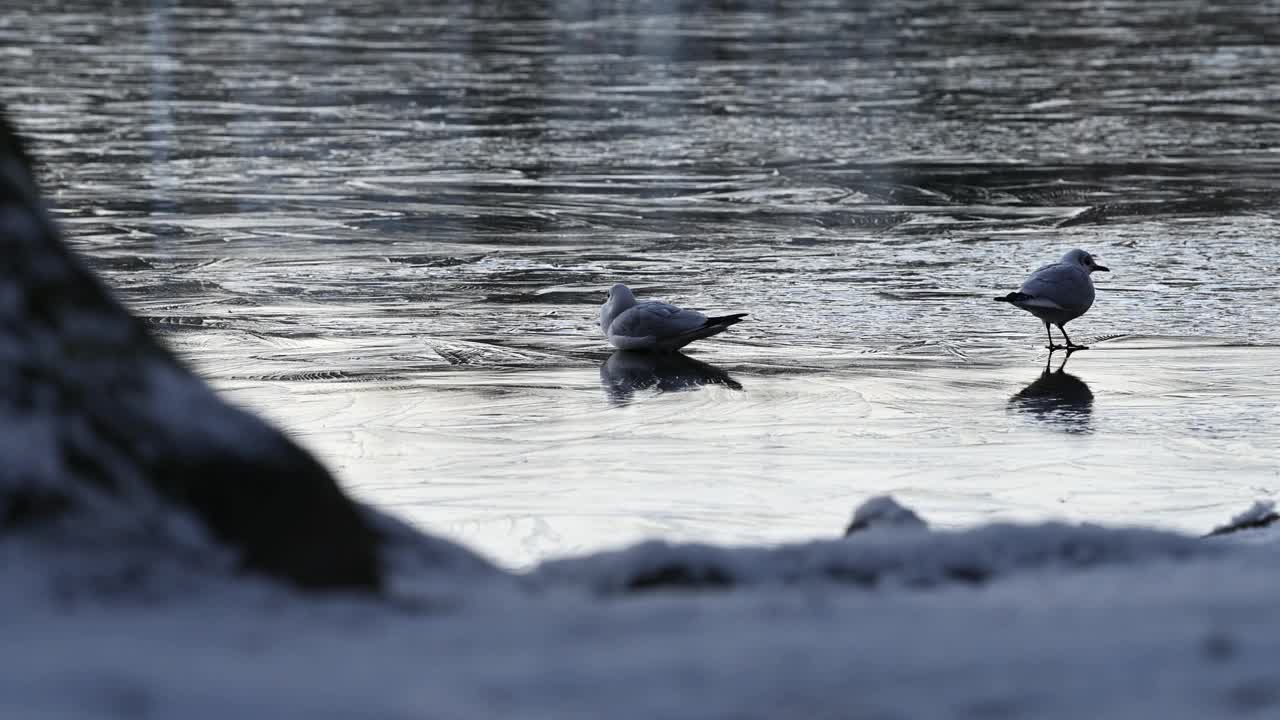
626 372
1057 398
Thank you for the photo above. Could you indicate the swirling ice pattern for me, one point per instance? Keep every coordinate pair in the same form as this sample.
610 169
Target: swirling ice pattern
393 233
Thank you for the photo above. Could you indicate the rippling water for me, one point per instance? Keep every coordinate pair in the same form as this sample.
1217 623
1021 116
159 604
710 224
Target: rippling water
391 231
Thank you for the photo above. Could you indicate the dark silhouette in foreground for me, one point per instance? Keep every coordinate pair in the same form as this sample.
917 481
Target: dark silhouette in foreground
105 428
883 511
1261 515
627 371
1057 397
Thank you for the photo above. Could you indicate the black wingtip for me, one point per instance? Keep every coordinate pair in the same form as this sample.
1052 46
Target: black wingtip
1013 297
726 319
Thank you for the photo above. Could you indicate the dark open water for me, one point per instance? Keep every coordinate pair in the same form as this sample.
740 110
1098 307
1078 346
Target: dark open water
389 226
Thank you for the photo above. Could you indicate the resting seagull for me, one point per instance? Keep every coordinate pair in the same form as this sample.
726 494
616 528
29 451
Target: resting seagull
1059 293
653 325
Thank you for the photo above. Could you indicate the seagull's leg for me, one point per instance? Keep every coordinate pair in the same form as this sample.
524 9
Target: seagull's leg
1071 345
1049 332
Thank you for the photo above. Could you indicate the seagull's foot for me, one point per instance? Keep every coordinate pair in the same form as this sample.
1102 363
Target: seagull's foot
1054 348
1073 348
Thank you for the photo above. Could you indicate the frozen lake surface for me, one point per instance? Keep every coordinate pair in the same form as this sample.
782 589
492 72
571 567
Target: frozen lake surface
392 234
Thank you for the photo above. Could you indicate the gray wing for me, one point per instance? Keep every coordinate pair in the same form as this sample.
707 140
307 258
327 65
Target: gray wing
1059 284
655 319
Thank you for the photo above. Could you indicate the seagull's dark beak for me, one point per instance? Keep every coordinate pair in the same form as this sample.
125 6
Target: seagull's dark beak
1101 268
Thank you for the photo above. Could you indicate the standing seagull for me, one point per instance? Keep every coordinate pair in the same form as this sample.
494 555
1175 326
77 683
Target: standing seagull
653 325
1059 293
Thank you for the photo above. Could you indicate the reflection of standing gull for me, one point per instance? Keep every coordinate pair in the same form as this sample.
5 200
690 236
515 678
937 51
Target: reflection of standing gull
1059 293
1057 397
653 325
625 372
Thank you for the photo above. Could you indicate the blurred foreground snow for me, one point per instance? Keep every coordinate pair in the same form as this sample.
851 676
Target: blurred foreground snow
1047 621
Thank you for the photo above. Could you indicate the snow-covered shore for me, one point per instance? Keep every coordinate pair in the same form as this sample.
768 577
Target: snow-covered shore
1003 621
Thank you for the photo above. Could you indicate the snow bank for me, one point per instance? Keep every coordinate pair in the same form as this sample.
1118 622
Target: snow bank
916 559
1069 623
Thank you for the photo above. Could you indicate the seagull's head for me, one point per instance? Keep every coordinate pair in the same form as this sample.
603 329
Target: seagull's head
620 293
619 300
1084 260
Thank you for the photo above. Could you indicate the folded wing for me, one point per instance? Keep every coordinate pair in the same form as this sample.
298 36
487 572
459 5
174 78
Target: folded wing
657 320
1058 286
